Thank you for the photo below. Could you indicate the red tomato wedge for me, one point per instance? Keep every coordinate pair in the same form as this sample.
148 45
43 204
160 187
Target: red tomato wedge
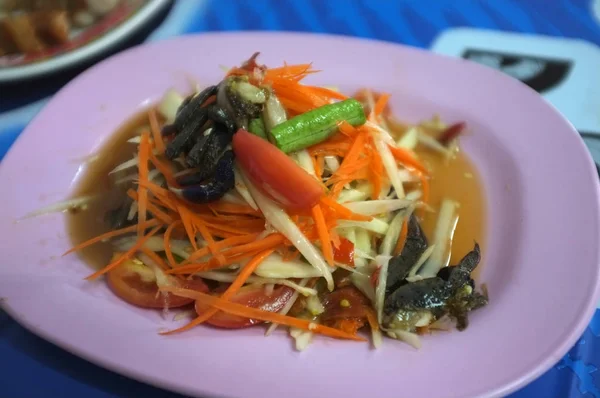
136 284
275 173
250 296
344 253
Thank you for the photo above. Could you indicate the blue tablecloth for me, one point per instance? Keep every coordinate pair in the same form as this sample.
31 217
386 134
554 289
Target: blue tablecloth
34 368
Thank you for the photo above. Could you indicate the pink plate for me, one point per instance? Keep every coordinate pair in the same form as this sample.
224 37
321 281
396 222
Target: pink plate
541 261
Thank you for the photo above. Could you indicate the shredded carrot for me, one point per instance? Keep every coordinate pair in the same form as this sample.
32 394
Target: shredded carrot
225 243
330 148
170 213
167 243
156 190
239 227
268 242
254 313
402 238
325 92
245 219
110 235
164 169
153 209
376 174
353 154
186 219
317 167
239 281
355 171
156 135
347 129
342 212
291 72
210 242
156 258
321 164
211 264
232 208
118 261
143 157
167 198
381 104
295 97
323 232
406 158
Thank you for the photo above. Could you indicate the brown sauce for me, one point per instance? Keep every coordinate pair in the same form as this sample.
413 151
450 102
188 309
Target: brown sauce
458 180
97 181
455 179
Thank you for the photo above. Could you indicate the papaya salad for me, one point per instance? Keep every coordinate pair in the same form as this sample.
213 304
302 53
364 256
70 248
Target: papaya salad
262 200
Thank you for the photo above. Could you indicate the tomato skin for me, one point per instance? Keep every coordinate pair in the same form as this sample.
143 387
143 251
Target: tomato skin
357 304
344 253
250 296
346 308
375 277
128 285
275 173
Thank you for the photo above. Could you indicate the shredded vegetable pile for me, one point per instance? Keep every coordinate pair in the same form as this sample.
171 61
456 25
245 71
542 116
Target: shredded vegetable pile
263 200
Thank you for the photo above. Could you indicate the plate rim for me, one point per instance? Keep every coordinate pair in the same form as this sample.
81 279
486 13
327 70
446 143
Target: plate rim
506 388
83 53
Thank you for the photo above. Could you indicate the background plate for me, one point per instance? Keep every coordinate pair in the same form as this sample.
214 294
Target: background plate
121 23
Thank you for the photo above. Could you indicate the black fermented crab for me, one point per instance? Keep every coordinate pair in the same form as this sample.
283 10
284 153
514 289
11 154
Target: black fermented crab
400 266
451 292
201 135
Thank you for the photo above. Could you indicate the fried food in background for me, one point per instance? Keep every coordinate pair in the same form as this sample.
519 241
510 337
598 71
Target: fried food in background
30 26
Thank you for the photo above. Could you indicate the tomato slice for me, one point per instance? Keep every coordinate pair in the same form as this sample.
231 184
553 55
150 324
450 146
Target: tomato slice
135 283
344 253
343 303
250 296
275 173
346 308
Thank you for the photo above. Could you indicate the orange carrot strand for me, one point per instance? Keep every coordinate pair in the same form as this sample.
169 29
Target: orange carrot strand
155 129
407 159
164 169
237 240
381 103
109 235
143 157
141 241
206 235
239 281
167 243
342 212
156 258
152 208
188 225
402 238
254 313
323 233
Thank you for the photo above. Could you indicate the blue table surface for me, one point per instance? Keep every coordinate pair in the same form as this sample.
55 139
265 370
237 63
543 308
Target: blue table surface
32 367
